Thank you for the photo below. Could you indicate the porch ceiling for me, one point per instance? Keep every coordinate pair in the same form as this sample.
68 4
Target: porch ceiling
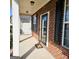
26 6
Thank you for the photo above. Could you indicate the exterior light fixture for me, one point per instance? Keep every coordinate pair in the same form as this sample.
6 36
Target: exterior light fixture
27 11
32 2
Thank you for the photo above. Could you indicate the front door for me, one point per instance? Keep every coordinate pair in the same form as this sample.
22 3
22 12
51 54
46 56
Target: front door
44 28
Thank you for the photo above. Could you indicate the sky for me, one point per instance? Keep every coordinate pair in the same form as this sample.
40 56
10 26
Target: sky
10 7
10 11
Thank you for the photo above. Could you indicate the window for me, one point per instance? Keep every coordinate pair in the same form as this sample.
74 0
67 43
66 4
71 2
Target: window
25 19
34 24
65 35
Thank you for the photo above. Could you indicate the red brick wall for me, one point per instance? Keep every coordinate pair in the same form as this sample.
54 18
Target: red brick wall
51 7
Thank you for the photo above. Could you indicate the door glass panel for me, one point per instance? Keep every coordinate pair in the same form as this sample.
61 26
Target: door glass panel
44 29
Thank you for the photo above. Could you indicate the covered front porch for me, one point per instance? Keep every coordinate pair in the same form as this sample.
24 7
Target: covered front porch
35 21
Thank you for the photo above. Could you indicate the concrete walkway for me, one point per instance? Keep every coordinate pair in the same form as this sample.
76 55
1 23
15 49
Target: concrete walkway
29 51
40 54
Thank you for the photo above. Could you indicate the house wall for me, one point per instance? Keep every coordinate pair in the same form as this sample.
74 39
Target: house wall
35 32
49 7
25 25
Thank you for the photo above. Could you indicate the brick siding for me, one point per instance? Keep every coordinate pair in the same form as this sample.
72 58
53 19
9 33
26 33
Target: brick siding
51 7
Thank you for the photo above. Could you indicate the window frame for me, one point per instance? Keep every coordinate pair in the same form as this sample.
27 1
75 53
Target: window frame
64 22
35 23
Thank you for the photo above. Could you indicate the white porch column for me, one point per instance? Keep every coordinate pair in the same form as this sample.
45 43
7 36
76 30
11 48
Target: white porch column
16 27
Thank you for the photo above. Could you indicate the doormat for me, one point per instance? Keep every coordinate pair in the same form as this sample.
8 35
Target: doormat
38 45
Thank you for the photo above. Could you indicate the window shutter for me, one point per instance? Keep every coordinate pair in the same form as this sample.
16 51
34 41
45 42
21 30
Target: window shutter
59 21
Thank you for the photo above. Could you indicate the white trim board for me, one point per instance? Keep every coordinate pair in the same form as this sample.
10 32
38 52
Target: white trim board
64 22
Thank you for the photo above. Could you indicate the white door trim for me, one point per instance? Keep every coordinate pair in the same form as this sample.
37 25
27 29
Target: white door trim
47 27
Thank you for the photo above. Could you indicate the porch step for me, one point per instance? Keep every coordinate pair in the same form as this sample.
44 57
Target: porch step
14 57
24 36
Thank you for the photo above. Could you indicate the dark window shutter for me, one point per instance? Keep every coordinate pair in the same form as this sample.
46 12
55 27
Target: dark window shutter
59 21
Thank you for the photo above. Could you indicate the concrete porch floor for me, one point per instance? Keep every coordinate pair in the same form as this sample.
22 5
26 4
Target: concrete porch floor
40 54
29 51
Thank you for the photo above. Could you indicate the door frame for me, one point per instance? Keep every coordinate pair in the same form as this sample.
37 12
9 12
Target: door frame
47 27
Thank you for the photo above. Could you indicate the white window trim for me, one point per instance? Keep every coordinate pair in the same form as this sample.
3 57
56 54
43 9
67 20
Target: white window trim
47 27
64 22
